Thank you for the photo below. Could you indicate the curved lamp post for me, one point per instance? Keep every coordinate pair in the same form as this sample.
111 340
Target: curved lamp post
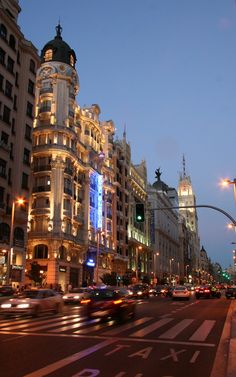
18 201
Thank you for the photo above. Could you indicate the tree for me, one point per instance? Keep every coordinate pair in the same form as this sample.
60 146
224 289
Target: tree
34 274
109 279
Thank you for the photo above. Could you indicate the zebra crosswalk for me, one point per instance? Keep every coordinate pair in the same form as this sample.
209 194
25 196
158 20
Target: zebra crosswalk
168 328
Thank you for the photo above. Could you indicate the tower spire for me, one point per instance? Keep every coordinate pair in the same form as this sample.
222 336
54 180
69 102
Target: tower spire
58 30
124 132
184 171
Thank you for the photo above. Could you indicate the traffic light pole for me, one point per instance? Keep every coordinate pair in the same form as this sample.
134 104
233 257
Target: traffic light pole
199 206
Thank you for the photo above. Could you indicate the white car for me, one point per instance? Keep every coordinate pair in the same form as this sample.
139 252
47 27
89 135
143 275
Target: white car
33 302
181 291
75 295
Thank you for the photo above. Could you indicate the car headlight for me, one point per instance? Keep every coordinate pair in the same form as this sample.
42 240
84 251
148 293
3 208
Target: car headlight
6 306
76 297
64 297
139 292
23 306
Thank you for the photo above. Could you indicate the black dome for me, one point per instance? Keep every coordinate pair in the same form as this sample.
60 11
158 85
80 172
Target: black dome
61 51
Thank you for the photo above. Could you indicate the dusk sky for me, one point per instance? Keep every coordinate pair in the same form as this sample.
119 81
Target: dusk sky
167 70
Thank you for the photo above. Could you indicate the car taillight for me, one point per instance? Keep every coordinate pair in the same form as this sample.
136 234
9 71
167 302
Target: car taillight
197 290
117 302
206 290
85 301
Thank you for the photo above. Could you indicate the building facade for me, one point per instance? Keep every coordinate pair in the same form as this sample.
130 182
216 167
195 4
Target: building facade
18 62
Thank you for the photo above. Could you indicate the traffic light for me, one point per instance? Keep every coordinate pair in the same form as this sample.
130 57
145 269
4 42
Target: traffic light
139 213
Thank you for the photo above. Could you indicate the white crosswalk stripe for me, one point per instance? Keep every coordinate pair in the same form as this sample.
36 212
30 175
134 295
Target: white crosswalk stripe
75 324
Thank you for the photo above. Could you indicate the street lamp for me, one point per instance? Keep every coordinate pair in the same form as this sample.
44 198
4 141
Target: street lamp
186 269
19 201
226 182
171 260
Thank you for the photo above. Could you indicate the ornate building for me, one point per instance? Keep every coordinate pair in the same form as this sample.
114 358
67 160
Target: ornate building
187 198
70 223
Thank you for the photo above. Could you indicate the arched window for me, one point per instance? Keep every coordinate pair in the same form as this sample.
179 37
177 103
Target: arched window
4 232
12 42
62 252
19 236
48 55
41 252
3 31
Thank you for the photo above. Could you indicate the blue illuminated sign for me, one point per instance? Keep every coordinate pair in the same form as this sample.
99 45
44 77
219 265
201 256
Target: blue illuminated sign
96 188
90 263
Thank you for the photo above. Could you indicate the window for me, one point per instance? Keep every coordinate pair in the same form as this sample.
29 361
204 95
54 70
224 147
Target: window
9 177
3 31
10 64
28 130
41 252
4 138
32 66
18 57
29 110
2 56
48 55
17 79
25 179
45 106
13 126
11 151
72 60
26 157
8 89
6 114
31 87
2 195
12 42
1 83
15 102
3 166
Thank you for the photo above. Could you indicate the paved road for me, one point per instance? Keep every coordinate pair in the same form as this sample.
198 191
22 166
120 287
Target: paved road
166 339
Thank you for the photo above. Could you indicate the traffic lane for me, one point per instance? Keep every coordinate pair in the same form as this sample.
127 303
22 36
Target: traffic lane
125 358
33 352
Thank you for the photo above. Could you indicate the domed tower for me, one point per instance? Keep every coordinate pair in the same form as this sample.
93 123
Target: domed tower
55 225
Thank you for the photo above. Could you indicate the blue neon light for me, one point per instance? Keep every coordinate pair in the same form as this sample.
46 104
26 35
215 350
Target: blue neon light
96 190
90 263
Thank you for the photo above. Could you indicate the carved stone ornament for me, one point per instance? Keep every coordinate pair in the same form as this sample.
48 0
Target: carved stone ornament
45 72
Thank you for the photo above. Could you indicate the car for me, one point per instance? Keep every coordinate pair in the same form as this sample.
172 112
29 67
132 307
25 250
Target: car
152 291
109 303
181 292
32 302
7 290
230 292
161 290
140 291
207 291
75 295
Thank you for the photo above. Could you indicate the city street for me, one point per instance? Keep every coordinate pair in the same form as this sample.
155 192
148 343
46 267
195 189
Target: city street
166 338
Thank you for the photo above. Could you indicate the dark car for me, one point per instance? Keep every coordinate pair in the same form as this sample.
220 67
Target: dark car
140 291
206 291
7 290
106 303
161 290
230 292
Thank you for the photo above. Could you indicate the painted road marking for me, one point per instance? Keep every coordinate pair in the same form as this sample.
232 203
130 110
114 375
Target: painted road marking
177 329
203 331
156 325
70 359
127 326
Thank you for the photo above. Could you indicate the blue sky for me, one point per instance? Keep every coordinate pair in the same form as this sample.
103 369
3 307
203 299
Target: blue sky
166 69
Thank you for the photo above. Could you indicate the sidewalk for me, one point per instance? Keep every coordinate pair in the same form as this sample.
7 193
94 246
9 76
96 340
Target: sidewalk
231 365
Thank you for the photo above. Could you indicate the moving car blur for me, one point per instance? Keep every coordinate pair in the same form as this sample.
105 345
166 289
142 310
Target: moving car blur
140 291
75 295
7 290
230 292
207 291
180 292
105 303
32 302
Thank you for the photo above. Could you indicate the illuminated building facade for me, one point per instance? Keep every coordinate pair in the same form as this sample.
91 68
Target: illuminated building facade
139 250
18 64
187 197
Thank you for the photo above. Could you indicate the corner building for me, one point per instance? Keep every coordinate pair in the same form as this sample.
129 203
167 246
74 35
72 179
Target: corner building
70 229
